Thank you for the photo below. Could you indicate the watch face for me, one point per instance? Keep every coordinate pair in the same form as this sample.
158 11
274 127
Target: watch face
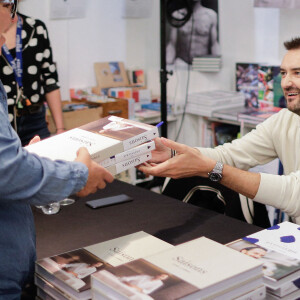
215 176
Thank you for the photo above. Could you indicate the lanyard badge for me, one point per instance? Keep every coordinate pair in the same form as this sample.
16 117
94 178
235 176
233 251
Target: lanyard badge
17 65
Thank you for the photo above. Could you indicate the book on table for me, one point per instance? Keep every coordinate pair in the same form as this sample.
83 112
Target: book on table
70 272
102 138
198 269
278 248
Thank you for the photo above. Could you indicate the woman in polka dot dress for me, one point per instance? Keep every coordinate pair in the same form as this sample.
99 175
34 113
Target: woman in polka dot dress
30 78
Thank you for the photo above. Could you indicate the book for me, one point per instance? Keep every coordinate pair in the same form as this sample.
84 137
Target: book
228 113
208 111
103 138
216 98
197 269
131 153
292 296
278 269
258 293
45 290
256 116
70 272
290 290
278 248
283 238
129 163
137 77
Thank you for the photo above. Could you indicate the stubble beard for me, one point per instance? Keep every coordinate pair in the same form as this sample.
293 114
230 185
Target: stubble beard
294 106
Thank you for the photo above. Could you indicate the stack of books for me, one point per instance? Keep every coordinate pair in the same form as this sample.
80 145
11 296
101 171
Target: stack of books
207 63
198 269
68 275
116 143
278 248
257 115
206 103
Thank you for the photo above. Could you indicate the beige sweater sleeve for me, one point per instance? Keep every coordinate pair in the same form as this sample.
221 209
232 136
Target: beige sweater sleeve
276 137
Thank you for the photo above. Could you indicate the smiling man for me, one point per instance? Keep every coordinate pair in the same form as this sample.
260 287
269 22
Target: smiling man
28 179
278 136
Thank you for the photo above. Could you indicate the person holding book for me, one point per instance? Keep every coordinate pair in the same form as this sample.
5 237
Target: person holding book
27 179
277 137
29 76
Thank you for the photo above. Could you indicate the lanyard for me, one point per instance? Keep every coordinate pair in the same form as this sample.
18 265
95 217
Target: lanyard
16 64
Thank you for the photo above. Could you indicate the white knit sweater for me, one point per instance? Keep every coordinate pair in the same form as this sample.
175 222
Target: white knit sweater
278 136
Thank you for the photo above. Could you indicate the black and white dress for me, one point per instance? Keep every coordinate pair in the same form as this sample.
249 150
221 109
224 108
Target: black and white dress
39 78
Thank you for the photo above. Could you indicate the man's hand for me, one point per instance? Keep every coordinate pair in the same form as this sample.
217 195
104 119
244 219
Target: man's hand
34 140
161 152
187 162
98 176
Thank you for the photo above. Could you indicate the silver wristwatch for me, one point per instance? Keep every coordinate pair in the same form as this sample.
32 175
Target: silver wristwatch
217 173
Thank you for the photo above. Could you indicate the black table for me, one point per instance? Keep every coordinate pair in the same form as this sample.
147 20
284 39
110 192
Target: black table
77 225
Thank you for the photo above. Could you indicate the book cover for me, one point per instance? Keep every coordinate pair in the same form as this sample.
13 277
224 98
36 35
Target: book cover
278 269
134 152
71 271
246 75
102 138
129 163
195 270
137 77
283 238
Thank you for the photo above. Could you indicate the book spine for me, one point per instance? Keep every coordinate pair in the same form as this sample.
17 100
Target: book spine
131 153
141 138
257 294
127 164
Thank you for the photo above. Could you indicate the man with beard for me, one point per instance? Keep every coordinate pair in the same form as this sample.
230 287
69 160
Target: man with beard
277 137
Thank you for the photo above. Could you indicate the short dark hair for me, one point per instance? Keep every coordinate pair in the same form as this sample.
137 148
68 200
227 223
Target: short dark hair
294 43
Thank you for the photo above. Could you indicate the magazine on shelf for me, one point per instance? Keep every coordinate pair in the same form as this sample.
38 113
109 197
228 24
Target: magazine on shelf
256 116
208 111
193 270
216 97
70 272
102 138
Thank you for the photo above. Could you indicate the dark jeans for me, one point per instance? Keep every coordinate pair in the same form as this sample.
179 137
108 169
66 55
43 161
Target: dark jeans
31 125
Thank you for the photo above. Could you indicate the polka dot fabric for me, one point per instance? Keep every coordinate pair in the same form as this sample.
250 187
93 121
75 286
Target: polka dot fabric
39 71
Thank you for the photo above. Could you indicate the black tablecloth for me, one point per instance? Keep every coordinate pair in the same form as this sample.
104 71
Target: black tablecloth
77 225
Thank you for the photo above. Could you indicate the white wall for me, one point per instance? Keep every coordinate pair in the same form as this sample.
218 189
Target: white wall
78 43
247 34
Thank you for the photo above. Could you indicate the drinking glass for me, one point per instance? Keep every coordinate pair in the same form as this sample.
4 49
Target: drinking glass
51 208
66 201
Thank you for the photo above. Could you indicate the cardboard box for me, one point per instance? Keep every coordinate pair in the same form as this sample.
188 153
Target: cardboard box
73 119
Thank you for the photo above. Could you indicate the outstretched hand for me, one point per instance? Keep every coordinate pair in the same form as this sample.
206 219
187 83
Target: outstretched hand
98 176
188 162
161 152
